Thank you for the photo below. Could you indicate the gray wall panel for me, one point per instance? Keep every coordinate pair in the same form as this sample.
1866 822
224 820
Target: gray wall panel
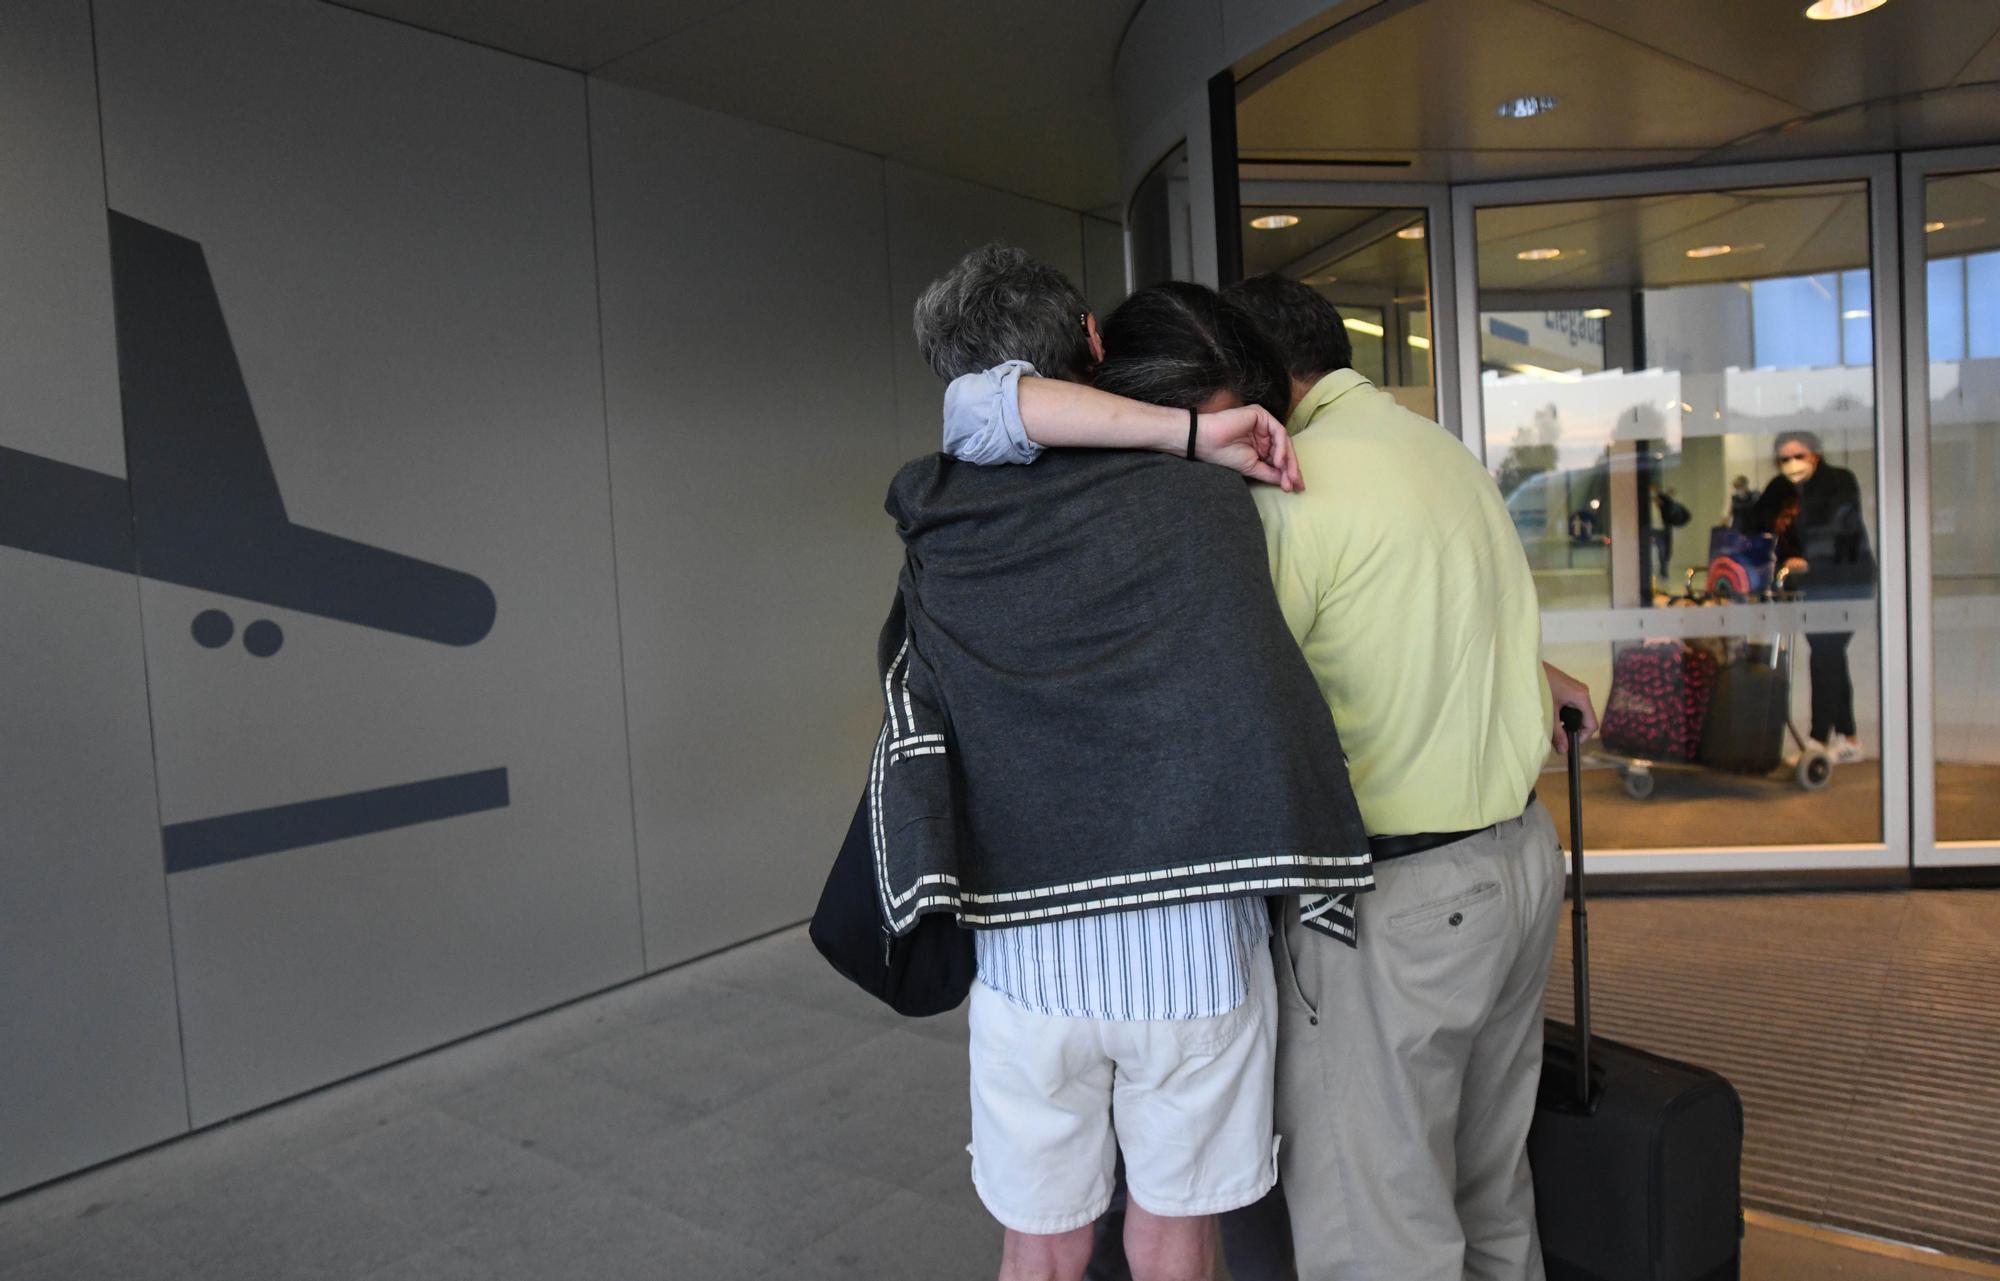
350 287
933 221
746 347
397 230
90 1055
57 369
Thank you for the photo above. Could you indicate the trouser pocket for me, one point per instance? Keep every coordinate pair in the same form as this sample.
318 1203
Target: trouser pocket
1291 958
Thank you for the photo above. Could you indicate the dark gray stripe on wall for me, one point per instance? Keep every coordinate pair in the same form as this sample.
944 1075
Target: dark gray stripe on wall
225 839
58 509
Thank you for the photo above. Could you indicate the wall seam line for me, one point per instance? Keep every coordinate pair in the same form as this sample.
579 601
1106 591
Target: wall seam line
611 512
139 602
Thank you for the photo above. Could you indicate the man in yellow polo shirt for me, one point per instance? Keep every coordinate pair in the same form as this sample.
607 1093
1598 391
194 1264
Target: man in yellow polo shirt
1410 1026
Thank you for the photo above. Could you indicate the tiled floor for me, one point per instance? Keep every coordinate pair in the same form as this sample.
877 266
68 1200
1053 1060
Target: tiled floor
750 1115
747 1116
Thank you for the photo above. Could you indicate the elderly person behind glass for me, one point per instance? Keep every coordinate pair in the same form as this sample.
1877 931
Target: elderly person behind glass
1814 510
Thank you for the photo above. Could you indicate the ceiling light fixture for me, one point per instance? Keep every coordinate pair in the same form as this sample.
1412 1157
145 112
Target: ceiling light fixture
1420 342
1412 232
1526 106
1834 10
1710 251
1939 224
1538 255
1368 327
1275 222
1857 313
1597 313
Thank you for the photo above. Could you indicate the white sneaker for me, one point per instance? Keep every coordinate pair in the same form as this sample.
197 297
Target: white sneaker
1846 751
1813 745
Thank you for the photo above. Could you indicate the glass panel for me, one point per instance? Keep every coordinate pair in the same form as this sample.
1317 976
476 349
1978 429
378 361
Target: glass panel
1647 362
1372 264
1962 248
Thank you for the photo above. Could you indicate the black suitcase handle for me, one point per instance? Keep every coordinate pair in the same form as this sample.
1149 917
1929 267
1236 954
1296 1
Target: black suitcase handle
1579 915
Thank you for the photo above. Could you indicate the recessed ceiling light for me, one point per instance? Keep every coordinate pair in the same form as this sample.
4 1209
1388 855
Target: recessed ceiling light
1711 251
1857 313
1538 255
1418 341
1832 10
1526 106
1275 222
1413 232
1597 313
1934 224
1368 327
1939 224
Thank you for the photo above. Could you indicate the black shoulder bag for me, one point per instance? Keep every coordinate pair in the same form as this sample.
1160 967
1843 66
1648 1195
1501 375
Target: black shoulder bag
927 971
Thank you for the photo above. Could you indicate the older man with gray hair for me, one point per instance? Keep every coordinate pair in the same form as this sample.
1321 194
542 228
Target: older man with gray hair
1101 751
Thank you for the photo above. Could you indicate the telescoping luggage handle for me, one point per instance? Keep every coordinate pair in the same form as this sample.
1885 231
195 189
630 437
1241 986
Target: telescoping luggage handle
1579 915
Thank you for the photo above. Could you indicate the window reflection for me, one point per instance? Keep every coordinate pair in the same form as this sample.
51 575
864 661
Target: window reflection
1646 365
1962 275
1373 266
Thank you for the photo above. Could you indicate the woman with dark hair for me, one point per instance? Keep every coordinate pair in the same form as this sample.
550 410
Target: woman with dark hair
1185 346
1814 510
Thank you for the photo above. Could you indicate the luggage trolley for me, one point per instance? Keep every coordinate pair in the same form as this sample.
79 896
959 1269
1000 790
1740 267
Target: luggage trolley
1678 707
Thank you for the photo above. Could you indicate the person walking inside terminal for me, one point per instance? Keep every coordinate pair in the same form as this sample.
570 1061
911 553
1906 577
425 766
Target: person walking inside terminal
1102 750
1410 1021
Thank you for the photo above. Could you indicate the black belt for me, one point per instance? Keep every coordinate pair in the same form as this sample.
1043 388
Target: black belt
1385 848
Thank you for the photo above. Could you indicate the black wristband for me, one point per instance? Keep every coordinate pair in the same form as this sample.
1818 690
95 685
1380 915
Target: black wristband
1194 421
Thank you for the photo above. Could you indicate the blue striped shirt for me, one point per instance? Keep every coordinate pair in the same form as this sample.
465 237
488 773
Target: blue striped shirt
1179 961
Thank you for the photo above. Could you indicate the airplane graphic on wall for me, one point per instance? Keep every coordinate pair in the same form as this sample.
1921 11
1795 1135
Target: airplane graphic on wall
200 508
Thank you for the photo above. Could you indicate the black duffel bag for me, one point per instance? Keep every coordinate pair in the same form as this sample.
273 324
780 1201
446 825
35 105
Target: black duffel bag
926 971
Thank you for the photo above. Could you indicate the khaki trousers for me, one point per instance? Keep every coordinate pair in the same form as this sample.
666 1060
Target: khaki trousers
1407 1068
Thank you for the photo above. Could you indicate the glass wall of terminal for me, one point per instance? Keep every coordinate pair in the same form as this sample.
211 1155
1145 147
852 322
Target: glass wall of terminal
1676 397
1373 264
1952 220
1686 392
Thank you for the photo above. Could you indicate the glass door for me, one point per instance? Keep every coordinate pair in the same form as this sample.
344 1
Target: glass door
1677 381
1374 251
1951 234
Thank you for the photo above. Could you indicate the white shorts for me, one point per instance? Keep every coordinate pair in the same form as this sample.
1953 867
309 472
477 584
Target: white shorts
1188 1101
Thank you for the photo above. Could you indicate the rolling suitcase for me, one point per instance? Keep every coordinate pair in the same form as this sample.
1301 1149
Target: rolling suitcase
1745 728
1637 1159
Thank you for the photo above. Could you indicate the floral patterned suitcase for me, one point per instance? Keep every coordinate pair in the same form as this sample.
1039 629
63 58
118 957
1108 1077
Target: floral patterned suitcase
1659 699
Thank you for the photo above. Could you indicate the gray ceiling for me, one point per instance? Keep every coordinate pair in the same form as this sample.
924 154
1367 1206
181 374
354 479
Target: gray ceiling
1020 97
1017 98
1683 80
